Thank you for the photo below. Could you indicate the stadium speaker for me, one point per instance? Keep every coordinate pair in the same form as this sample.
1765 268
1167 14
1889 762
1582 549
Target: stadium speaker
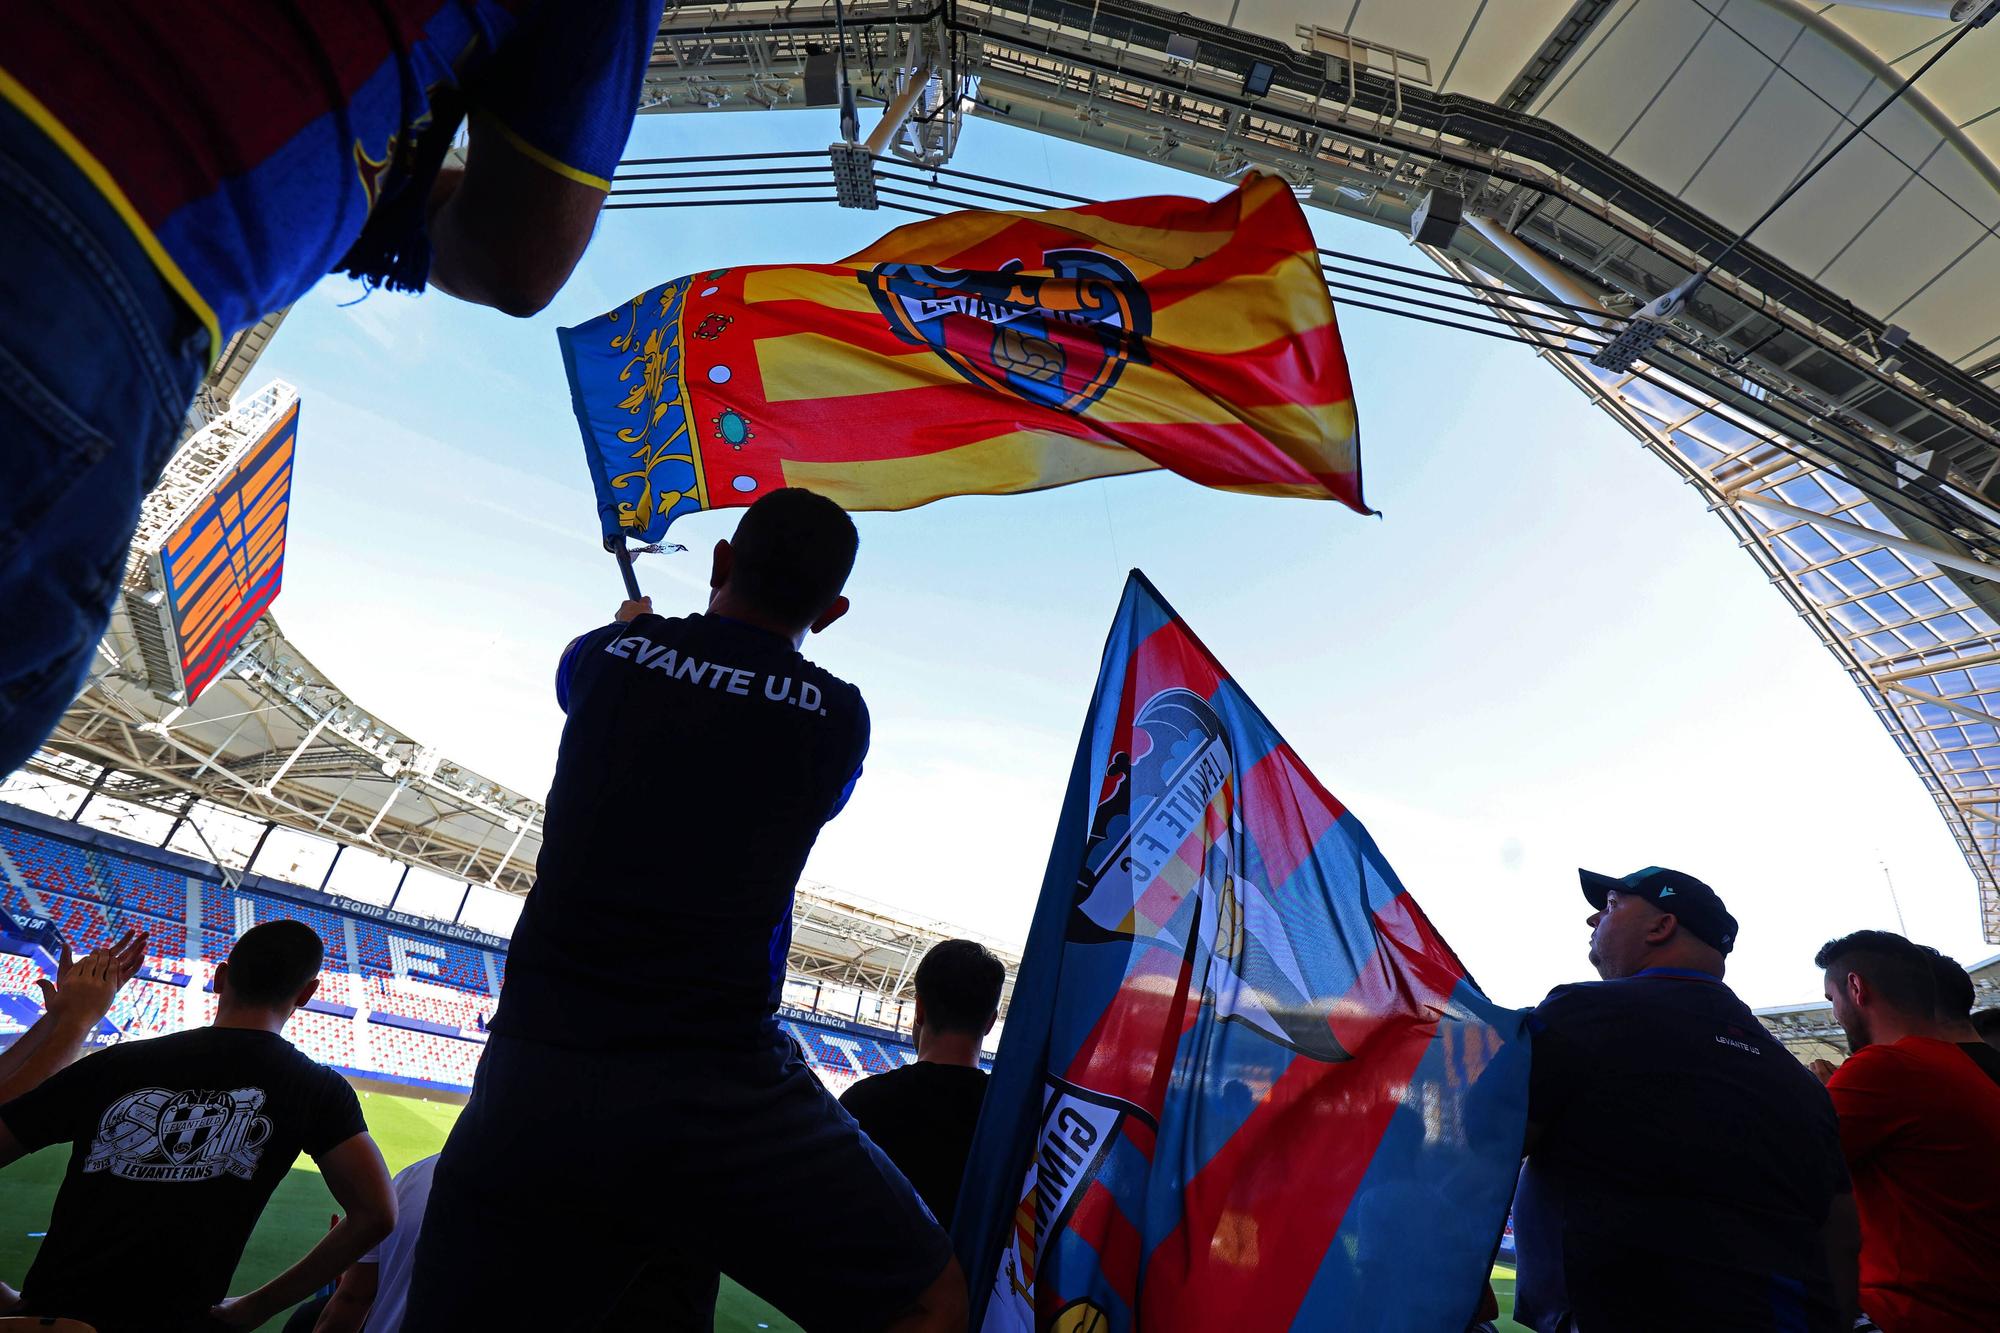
1435 219
822 78
1258 81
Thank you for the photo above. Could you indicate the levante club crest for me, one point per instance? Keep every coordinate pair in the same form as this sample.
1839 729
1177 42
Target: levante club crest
1058 339
1165 863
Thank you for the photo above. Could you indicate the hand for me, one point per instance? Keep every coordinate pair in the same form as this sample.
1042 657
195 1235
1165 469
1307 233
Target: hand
84 989
632 609
239 1312
1822 1069
10 1299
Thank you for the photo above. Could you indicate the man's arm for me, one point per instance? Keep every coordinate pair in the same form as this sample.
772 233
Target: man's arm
72 1005
1561 1063
1842 1237
348 1309
355 1173
507 230
572 654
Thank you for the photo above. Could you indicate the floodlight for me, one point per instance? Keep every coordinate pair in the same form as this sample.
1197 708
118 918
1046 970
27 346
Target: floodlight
1258 81
1646 328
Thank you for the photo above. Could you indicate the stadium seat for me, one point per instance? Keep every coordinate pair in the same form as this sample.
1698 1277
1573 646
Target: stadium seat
93 893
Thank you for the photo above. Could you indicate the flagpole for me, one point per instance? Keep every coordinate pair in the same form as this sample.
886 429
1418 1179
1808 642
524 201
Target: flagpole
616 545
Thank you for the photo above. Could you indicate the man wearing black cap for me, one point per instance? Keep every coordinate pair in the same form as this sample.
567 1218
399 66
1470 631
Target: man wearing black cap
1683 1171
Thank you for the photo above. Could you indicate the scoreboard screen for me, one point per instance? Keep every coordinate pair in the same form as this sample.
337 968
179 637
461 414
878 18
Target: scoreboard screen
222 564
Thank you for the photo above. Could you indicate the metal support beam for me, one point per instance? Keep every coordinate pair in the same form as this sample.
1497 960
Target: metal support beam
1553 277
1950 664
387 801
95 787
327 878
179 819
1895 542
493 880
258 850
305 743
1965 711
898 111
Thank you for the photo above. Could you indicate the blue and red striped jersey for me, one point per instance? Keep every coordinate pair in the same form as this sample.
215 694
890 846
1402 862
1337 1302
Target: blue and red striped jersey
249 143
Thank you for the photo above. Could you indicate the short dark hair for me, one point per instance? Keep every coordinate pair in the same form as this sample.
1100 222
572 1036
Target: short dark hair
1953 985
959 982
793 552
273 962
1894 967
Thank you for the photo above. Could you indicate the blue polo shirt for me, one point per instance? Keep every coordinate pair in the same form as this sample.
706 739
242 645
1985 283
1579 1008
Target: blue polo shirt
700 760
1683 1167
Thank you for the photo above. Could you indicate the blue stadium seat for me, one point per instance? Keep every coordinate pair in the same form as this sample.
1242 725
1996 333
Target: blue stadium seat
93 893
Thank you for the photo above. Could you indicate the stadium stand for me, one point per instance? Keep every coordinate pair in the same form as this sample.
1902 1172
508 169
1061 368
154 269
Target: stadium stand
410 1005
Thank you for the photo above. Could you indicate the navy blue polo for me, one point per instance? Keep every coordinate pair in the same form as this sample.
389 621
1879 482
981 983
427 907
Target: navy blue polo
1682 1165
700 759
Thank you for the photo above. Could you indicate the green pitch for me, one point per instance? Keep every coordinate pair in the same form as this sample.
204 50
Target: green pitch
406 1128
301 1209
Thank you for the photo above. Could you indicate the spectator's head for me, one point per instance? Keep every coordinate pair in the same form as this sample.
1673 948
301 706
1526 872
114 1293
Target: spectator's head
274 967
1954 988
1987 1024
787 563
1655 918
1880 986
958 989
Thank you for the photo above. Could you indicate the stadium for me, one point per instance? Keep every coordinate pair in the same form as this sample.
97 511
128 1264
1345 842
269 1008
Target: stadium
1579 176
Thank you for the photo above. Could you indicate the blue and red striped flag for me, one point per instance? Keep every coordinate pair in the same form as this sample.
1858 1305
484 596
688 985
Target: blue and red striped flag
1244 1084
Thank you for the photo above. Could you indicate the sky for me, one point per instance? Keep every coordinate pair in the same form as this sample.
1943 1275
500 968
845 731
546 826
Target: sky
1544 654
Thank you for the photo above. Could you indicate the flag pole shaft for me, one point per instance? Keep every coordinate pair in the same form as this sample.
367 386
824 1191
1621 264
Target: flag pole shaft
617 547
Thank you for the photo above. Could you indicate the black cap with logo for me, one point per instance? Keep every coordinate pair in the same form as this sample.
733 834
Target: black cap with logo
1692 902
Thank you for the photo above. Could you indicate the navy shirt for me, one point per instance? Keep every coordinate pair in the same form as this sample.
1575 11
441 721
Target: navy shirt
700 759
1684 1167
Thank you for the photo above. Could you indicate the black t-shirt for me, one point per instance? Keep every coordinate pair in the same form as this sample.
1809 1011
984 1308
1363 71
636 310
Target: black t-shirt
1684 1168
922 1117
700 759
179 1142
1984 1056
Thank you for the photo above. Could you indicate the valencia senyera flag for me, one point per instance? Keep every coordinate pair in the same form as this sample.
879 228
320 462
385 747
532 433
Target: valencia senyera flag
1244 1084
980 353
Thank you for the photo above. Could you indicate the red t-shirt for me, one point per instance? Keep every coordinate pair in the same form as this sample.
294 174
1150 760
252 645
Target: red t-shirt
1920 1124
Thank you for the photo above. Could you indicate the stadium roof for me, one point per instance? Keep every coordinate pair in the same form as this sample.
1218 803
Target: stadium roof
851 941
1832 392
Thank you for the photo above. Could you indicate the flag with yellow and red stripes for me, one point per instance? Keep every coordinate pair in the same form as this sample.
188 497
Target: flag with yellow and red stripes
980 353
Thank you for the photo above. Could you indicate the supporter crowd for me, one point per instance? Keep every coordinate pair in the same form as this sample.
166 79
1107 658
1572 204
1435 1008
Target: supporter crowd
1681 1171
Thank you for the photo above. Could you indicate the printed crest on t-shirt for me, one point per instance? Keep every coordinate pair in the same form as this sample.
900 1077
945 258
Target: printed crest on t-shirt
159 1134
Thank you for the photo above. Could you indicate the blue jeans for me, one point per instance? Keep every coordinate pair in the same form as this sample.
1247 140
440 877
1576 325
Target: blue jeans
98 363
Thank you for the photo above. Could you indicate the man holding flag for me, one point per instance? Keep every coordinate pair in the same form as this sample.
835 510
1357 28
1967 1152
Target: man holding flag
636 1055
